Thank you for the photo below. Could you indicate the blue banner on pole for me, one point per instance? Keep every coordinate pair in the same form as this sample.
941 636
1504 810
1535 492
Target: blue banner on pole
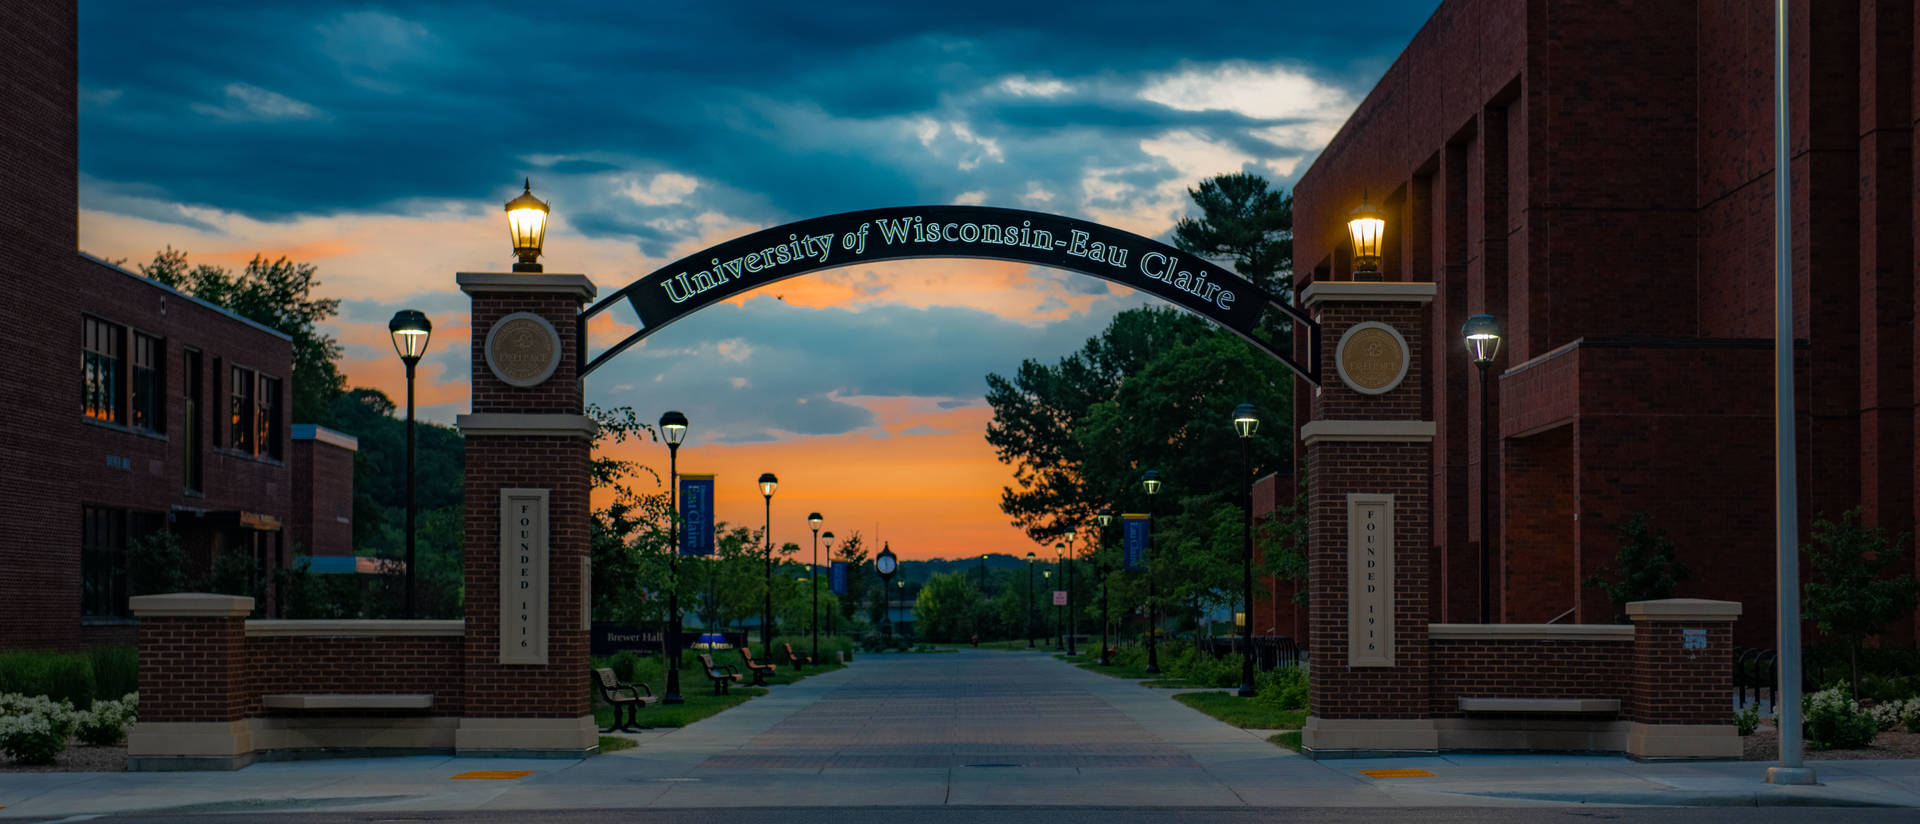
696 514
1134 532
839 577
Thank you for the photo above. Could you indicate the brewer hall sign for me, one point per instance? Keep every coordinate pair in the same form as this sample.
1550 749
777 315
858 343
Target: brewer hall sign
775 254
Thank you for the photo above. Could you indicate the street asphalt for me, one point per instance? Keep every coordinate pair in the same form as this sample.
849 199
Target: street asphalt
974 732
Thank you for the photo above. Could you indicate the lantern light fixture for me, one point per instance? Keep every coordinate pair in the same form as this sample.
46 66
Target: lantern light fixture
1365 227
673 427
1246 420
1482 333
410 330
527 224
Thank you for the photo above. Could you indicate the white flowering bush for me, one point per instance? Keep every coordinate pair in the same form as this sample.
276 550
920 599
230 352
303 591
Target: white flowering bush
1748 718
34 729
1835 721
106 723
1893 715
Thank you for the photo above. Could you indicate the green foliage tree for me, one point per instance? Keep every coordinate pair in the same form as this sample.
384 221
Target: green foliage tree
945 608
1853 596
278 294
1245 222
1646 566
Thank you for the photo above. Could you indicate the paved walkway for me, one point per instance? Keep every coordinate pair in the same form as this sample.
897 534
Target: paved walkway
973 728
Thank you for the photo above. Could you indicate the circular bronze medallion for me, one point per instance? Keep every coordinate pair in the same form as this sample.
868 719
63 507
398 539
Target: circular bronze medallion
523 349
1372 358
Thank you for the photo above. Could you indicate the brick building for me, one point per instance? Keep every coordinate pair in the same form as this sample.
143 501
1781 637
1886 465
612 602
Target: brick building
129 406
1599 177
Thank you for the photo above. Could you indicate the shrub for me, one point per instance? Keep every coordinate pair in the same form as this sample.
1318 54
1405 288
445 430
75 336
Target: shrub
105 724
34 729
1836 722
61 676
625 666
1748 718
116 669
803 644
1285 688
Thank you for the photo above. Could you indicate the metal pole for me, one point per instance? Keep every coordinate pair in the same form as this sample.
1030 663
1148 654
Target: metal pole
410 577
1029 602
1104 660
766 617
814 580
1786 495
1486 510
1070 618
1247 689
673 573
1153 623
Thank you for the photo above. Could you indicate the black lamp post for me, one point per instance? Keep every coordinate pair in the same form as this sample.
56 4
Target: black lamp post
410 331
1105 518
1053 614
813 520
768 483
1246 419
673 428
1029 600
1150 481
827 537
1483 342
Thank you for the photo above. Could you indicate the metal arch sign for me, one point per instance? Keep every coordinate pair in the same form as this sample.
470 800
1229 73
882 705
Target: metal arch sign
901 233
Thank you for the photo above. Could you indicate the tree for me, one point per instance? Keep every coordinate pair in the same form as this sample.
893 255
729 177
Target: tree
1246 223
1853 597
945 608
277 294
1646 566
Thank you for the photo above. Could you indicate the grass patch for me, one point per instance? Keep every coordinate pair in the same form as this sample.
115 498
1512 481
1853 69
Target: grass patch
1169 684
1286 740
700 703
611 743
1243 712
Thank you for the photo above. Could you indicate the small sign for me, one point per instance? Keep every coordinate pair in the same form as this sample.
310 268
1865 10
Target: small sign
522 349
696 514
1693 639
839 577
523 576
1369 580
1135 531
1059 597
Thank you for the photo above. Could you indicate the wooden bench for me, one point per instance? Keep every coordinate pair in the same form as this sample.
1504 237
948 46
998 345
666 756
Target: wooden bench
625 699
723 675
760 671
799 662
337 701
1554 705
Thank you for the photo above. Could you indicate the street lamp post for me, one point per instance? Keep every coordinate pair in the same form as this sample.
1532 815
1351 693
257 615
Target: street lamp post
410 331
1150 481
1483 342
1029 600
768 483
1246 419
813 520
673 427
1053 615
1105 518
1070 616
828 538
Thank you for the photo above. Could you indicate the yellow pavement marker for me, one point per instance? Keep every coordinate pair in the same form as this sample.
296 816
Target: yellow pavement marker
1403 773
494 774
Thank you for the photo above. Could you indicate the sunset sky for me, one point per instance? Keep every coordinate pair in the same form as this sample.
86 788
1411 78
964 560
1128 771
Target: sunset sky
379 143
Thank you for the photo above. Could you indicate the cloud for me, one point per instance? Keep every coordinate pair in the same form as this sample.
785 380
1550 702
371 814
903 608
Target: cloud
1044 87
246 102
1254 91
663 189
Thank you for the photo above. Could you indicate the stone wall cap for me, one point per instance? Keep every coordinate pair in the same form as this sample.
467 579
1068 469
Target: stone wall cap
1683 609
476 283
1349 430
1530 632
522 425
191 605
355 628
1354 291
316 432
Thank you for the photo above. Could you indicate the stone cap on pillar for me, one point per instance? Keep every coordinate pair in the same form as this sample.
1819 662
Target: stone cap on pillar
1364 291
476 283
191 605
1683 609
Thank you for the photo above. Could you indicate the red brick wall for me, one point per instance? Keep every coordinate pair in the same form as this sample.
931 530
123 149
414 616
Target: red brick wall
322 517
1274 609
558 464
1531 669
1537 551
1679 686
40 324
354 666
194 669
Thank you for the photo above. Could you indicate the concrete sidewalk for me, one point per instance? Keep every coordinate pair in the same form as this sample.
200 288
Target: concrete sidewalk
974 728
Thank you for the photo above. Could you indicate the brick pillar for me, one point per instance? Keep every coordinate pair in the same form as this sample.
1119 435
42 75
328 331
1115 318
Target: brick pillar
527 450
195 684
1369 468
1682 666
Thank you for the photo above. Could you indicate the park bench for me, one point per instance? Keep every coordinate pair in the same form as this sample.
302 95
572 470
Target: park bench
624 698
760 671
723 675
799 662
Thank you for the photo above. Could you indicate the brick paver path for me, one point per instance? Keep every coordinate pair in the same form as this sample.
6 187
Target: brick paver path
972 710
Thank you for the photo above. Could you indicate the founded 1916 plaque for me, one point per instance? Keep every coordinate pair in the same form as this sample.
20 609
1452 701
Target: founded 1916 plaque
523 349
1371 358
523 576
1369 580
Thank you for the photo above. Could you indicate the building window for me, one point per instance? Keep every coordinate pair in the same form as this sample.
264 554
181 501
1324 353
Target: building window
103 562
100 365
192 465
149 408
240 411
269 418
